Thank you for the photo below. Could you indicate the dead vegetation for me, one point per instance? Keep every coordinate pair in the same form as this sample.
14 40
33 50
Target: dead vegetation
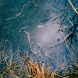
28 69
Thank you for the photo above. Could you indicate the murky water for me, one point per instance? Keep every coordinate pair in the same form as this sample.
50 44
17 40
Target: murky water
37 22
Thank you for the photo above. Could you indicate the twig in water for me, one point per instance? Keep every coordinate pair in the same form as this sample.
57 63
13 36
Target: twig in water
40 26
17 15
73 6
54 2
34 2
28 35
65 39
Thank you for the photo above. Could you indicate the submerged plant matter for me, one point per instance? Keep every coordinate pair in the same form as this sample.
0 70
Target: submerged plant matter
39 39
